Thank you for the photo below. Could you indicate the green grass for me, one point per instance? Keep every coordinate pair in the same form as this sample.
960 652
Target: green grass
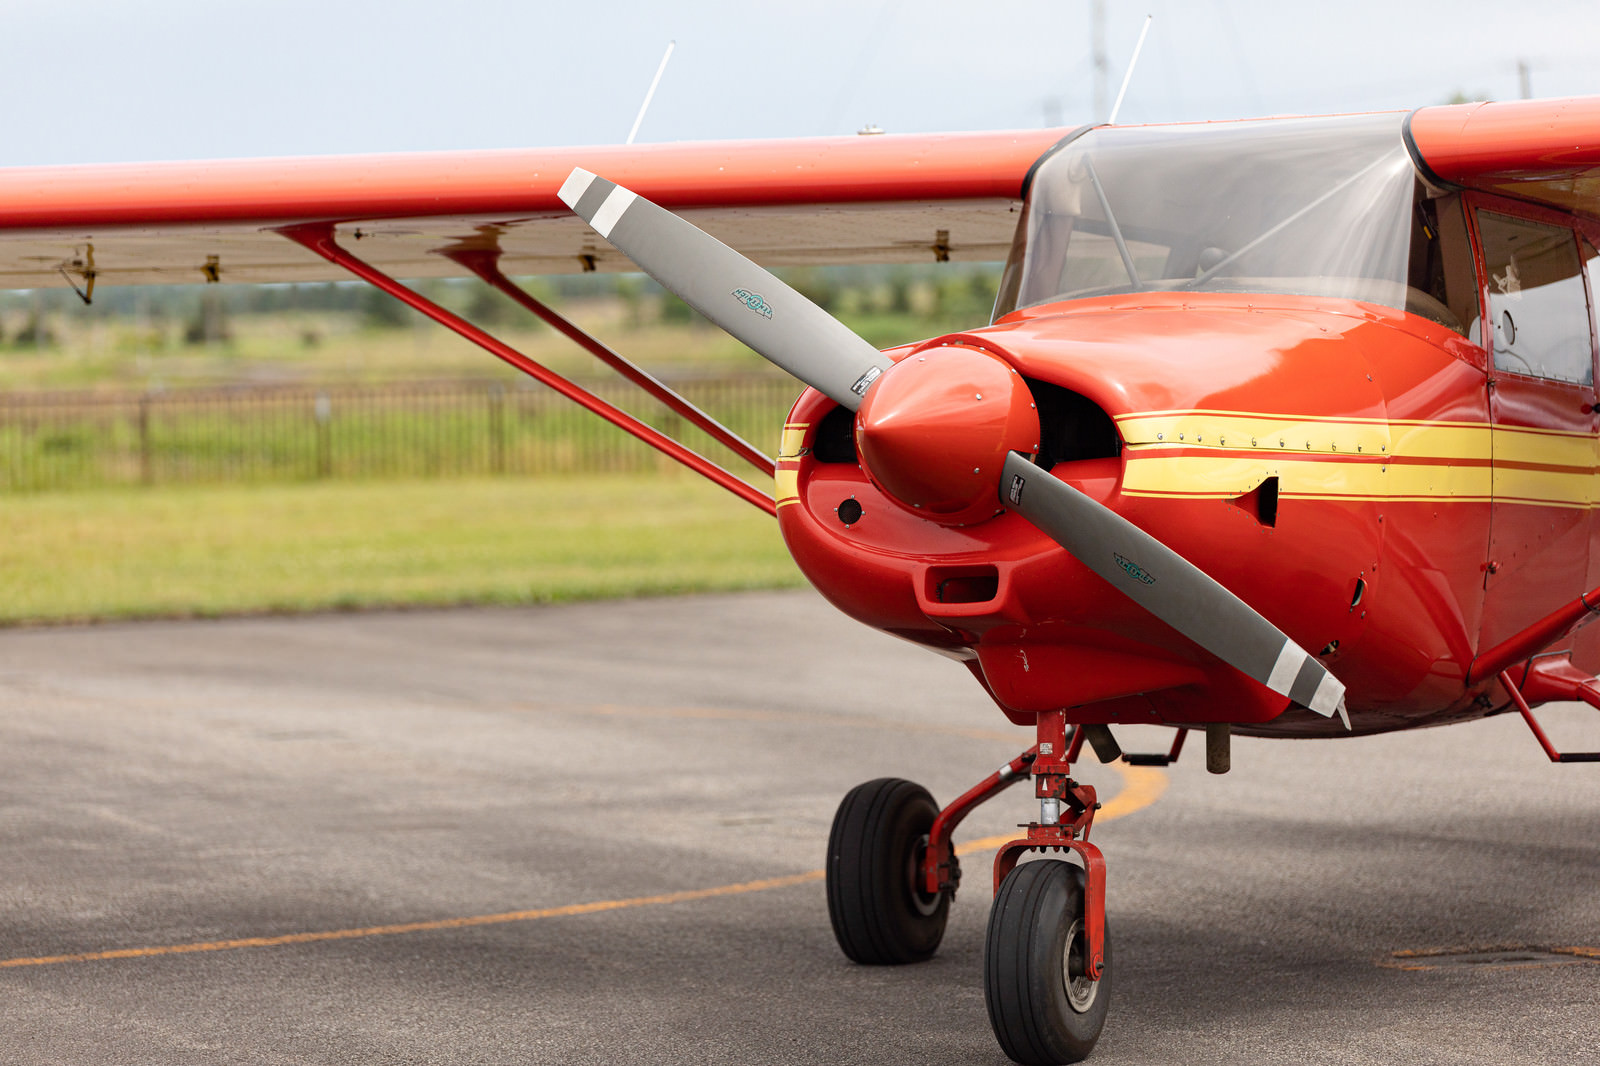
202 551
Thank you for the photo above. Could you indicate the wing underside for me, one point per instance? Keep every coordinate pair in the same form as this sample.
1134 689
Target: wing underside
796 235
880 199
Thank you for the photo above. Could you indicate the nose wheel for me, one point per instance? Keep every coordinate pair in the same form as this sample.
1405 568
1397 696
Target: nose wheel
1043 1005
879 907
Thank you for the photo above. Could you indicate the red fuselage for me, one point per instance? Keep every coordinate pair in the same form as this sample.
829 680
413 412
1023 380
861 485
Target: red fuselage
1346 468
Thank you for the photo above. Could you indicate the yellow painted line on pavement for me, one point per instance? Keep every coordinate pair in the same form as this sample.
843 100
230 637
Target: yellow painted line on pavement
1140 787
424 927
1516 957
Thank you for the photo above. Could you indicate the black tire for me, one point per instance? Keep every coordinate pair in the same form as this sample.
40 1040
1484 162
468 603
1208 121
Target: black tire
880 915
1039 1016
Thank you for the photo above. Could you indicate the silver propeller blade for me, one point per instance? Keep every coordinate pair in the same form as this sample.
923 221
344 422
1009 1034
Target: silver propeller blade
1169 587
730 290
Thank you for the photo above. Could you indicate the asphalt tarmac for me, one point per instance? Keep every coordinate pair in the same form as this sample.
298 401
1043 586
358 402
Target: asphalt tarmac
591 834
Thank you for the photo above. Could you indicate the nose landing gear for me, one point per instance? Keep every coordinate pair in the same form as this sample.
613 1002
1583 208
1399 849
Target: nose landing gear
892 873
1043 1005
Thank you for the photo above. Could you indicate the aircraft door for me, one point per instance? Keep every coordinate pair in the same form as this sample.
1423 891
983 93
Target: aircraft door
1539 330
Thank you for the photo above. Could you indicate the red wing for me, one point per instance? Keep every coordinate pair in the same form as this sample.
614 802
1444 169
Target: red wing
878 199
1547 151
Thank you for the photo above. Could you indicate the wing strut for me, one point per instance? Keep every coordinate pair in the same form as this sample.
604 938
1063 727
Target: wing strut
319 238
485 262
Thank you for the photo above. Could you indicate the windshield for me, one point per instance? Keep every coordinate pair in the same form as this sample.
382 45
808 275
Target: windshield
1320 206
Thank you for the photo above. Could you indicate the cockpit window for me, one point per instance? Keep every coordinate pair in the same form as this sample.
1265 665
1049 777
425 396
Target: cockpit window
1317 206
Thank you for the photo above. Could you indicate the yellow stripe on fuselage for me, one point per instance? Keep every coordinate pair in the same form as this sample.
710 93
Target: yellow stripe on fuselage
1237 430
1222 454
1543 448
1544 487
1224 477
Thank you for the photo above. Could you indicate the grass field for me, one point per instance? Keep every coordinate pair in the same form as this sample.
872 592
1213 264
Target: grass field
198 549
202 551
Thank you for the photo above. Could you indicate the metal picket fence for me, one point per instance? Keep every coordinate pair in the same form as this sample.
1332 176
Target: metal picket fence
65 440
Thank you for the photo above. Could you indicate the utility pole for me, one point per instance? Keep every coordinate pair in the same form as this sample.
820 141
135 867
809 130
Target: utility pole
1525 79
1097 37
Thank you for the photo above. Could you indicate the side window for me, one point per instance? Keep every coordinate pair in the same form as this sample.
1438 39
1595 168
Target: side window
1538 313
1443 277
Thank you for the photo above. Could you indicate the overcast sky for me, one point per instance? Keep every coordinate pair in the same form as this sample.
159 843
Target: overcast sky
94 80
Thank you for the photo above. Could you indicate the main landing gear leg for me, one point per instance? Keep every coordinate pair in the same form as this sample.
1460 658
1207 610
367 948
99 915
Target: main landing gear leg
892 873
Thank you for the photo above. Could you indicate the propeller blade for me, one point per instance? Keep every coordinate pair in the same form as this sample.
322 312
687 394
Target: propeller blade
744 299
1169 587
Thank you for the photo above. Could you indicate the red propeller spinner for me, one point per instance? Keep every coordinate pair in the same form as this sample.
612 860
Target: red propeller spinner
934 430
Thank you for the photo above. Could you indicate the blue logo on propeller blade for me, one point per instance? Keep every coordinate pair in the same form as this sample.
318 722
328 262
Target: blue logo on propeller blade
753 301
1135 571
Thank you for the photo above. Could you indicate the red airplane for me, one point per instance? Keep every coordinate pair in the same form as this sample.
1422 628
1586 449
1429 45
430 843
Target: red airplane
1281 428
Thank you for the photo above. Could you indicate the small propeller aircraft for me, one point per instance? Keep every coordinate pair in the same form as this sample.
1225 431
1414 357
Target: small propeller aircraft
1281 428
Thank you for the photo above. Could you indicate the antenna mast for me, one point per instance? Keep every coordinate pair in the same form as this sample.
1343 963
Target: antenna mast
1111 120
651 92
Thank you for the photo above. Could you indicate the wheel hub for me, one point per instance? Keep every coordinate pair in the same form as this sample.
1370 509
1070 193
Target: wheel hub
1074 971
923 903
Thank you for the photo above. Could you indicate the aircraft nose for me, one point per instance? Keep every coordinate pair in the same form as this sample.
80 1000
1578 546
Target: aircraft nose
934 431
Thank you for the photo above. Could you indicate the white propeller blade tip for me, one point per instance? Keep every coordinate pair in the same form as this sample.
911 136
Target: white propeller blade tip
575 186
1329 697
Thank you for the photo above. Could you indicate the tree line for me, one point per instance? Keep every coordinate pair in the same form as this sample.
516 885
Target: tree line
962 293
